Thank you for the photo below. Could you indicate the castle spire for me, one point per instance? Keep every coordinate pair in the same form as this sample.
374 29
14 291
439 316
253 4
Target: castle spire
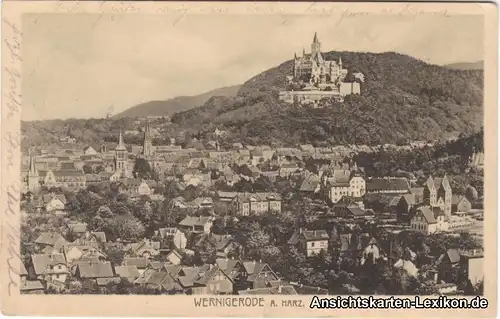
315 40
121 145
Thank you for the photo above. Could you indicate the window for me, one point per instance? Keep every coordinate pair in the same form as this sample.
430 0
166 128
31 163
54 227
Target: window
312 244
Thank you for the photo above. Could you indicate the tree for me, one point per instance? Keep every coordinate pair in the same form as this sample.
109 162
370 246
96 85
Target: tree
127 228
87 169
114 252
142 169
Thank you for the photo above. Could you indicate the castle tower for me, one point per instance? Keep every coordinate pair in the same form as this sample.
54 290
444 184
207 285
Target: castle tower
33 177
316 45
121 157
147 144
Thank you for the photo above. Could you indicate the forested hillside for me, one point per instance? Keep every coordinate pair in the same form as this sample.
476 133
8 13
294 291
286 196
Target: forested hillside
402 99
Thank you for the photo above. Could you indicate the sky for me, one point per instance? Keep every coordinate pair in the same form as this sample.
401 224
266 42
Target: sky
80 65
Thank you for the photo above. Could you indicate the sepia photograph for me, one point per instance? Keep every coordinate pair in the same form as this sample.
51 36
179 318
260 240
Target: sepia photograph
246 153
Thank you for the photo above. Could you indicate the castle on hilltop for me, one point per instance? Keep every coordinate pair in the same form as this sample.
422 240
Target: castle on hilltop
315 78
314 69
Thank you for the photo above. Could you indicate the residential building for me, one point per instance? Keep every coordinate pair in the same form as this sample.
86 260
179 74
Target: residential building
212 280
460 203
174 235
256 203
201 224
311 242
259 274
343 183
471 266
49 267
135 187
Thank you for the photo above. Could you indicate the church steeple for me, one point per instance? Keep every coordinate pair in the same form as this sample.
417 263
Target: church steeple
33 179
315 40
121 157
147 144
121 145
32 167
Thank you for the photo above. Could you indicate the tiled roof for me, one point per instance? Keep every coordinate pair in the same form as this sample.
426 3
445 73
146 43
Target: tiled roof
134 261
281 290
388 184
309 235
95 270
195 221
50 239
428 214
339 178
41 261
30 285
127 271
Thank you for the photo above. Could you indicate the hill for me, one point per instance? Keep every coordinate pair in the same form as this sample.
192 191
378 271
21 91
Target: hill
479 65
177 104
402 99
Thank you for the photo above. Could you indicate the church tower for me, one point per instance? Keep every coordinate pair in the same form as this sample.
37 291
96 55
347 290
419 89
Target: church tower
121 157
33 177
147 144
316 45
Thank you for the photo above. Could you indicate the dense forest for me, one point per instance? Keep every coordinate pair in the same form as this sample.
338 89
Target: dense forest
402 99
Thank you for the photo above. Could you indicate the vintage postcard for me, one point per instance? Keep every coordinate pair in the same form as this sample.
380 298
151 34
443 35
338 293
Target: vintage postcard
245 159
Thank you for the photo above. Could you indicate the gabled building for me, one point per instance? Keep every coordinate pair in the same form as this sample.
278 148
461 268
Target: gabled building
256 203
49 267
145 248
201 224
311 242
429 220
173 235
460 203
259 274
212 281
343 183
135 187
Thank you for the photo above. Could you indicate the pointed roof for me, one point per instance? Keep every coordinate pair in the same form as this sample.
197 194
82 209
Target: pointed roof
32 167
315 40
147 130
121 145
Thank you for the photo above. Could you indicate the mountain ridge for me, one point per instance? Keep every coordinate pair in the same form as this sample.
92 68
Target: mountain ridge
176 104
478 65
